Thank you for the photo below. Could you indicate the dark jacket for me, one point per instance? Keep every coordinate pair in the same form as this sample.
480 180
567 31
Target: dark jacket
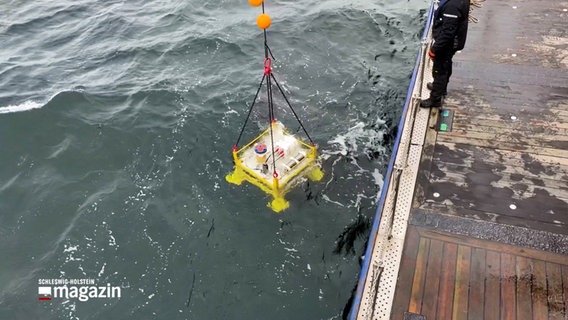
450 26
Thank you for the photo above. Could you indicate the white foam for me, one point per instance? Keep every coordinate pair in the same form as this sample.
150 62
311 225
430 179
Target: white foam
379 179
356 137
26 106
70 248
326 198
361 141
102 270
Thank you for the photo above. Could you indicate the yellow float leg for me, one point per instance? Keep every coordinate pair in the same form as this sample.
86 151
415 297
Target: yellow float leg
278 204
316 174
236 177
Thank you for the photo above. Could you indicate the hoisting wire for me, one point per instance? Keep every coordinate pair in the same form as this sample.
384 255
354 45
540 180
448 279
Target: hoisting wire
269 51
266 49
249 112
289 105
268 75
271 117
271 120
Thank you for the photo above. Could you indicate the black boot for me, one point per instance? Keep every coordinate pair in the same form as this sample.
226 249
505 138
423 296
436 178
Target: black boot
430 86
431 103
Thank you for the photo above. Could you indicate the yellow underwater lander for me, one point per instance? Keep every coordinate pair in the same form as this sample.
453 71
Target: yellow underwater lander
275 161
275 167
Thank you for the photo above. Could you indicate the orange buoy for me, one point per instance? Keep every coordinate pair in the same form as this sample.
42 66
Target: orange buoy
263 21
255 3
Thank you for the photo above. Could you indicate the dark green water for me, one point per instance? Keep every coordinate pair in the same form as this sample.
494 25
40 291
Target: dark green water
117 120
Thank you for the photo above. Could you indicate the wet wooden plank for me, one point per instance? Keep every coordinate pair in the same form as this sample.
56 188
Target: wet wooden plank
505 157
492 285
525 171
477 285
432 284
447 281
554 152
508 287
539 291
460 211
492 197
417 294
524 123
540 130
555 292
524 280
462 176
544 113
485 194
504 121
463 158
553 187
494 246
544 132
565 290
461 290
557 113
552 124
558 110
406 274
537 205
502 137
550 116
483 129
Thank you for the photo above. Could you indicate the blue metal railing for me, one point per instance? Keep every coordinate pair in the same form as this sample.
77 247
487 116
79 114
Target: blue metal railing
376 222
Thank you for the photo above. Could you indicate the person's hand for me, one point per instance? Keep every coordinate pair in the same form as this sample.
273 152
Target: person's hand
431 54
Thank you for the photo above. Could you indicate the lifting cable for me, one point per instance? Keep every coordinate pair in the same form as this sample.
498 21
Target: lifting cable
235 147
271 117
269 77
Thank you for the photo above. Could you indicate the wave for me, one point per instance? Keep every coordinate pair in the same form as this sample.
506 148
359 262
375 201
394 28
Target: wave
26 106
40 18
31 105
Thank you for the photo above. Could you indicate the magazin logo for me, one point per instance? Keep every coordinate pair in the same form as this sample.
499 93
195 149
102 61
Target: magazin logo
82 293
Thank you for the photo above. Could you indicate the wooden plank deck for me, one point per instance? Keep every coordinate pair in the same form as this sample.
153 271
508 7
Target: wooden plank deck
500 175
506 158
444 276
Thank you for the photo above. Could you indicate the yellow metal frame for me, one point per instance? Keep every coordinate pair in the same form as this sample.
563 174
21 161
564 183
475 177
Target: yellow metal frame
278 188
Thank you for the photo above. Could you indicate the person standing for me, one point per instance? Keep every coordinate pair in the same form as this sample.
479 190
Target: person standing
449 32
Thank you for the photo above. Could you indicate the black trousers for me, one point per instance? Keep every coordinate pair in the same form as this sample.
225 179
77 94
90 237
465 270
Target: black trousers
441 71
